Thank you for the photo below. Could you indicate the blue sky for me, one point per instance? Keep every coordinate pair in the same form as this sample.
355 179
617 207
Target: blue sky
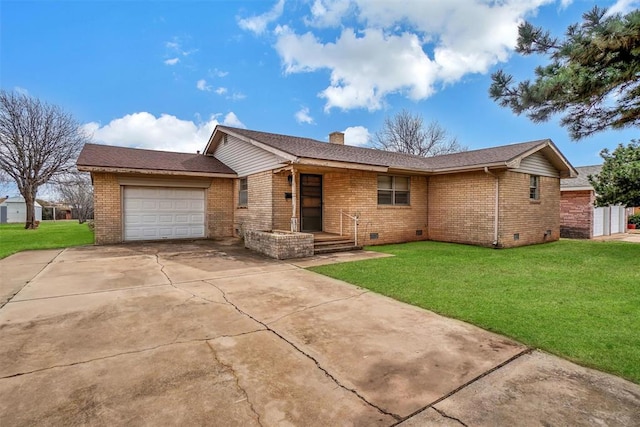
161 74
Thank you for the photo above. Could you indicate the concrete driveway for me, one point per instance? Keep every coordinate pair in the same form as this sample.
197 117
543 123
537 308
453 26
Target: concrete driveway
206 333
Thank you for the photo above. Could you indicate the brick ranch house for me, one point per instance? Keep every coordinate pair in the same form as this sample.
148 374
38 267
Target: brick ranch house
248 180
579 218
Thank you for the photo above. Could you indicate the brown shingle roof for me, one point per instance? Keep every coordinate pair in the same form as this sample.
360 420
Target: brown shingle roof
310 148
105 156
582 181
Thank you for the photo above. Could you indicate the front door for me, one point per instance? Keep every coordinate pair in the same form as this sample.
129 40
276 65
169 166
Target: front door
311 202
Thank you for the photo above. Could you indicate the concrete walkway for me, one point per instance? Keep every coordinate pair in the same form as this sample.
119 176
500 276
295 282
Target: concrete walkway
621 237
208 333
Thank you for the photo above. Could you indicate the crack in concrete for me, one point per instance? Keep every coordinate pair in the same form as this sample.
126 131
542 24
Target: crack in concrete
237 381
314 306
527 350
90 293
310 357
187 291
443 414
126 353
30 280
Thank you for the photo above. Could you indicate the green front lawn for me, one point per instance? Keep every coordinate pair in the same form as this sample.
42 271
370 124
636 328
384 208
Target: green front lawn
59 234
577 299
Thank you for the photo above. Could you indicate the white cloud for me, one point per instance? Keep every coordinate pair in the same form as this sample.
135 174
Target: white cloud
364 69
175 50
356 135
237 96
565 4
218 73
623 7
303 116
328 13
258 24
221 90
202 85
409 48
232 120
167 132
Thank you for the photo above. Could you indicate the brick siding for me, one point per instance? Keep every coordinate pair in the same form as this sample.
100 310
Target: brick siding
462 208
352 191
279 245
281 215
220 208
451 208
107 207
576 214
258 214
529 219
107 199
356 192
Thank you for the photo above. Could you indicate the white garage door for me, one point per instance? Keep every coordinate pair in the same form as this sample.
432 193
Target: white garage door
163 213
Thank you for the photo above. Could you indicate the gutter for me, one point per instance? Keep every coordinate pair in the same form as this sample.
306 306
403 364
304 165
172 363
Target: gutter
497 207
107 169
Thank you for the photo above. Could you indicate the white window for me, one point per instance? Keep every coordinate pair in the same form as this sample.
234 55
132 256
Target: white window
393 190
243 193
534 187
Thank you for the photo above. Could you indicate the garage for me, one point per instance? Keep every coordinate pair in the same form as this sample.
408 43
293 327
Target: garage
153 213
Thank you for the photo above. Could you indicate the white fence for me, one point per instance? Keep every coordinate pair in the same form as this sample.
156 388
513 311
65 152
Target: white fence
609 220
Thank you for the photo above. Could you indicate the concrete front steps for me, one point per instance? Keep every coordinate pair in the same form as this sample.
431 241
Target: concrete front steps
325 243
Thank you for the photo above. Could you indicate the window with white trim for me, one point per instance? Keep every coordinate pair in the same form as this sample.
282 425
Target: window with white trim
534 187
243 192
393 190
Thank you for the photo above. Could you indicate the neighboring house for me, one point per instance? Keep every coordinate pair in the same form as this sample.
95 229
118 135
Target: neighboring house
579 218
55 211
501 197
14 209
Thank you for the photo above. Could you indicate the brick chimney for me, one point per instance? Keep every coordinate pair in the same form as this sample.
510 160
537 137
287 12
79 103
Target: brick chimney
336 138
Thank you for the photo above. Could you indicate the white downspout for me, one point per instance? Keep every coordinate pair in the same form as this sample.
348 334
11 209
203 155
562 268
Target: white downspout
497 207
294 201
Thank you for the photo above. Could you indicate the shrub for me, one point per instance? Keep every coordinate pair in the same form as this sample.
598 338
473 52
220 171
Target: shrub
634 219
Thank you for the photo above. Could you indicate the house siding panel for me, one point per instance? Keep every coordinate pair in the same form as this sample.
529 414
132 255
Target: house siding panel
537 164
529 219
244 158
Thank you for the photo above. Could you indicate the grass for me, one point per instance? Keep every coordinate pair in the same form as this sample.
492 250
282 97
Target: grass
577 299
49 235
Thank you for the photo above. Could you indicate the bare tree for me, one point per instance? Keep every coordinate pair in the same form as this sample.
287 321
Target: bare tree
406 133
37 142
5 183
76 190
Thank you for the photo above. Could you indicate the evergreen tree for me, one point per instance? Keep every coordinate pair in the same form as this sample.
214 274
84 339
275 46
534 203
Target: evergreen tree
593 78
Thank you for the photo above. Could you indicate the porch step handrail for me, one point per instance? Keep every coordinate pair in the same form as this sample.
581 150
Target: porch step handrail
355 225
